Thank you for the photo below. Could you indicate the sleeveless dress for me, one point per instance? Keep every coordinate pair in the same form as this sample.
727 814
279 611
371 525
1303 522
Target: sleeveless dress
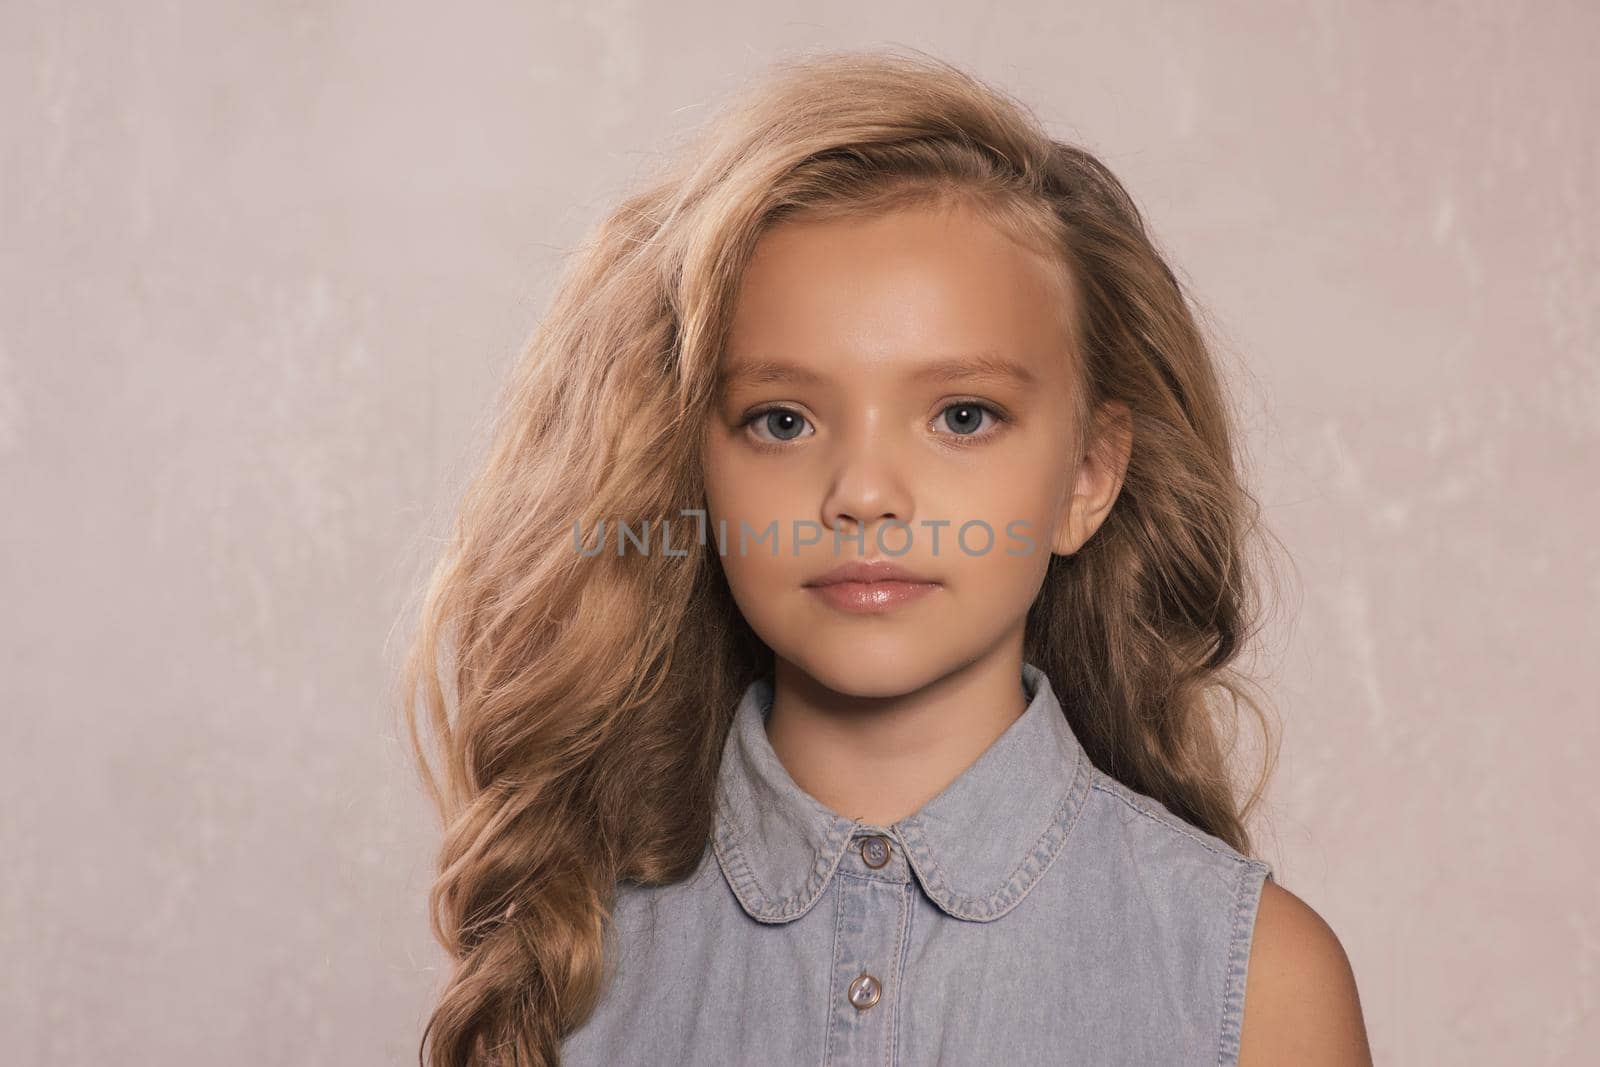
1036 911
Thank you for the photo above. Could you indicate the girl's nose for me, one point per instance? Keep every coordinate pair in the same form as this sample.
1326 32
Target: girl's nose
866 487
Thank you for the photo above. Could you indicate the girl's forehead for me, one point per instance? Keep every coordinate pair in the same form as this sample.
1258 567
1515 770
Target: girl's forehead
988 366
904 292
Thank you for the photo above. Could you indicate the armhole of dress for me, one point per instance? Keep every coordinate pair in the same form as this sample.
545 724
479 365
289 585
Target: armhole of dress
1253 874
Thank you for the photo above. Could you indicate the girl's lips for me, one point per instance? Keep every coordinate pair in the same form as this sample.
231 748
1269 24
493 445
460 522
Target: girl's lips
864 598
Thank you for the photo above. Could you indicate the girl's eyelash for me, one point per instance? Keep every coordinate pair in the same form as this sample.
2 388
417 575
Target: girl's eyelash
761 413
961 440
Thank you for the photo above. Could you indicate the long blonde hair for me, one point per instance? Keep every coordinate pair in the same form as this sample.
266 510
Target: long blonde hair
593 694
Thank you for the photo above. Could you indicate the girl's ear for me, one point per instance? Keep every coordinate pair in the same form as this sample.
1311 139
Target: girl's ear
1098 479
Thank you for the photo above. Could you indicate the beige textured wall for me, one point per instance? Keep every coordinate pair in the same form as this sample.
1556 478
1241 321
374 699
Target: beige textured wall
265 265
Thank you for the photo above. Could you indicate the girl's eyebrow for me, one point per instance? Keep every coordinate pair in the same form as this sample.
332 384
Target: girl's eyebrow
982 366
768 371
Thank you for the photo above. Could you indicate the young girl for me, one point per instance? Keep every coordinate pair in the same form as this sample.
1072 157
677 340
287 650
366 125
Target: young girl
834 623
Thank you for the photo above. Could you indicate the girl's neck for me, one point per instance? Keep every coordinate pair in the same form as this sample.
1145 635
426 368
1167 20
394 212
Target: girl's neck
879 759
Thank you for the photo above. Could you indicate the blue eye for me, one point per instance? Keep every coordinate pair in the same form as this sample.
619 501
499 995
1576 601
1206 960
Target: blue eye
783 424
965 418
774 427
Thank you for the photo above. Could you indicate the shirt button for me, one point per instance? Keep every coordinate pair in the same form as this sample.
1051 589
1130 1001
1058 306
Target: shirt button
865 991
875 851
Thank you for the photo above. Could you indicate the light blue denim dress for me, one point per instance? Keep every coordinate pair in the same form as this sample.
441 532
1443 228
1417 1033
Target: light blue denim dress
1036 911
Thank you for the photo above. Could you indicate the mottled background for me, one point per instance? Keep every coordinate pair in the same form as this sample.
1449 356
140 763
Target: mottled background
266 265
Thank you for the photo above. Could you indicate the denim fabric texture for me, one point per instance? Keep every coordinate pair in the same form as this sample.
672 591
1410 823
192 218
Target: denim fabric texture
1036 911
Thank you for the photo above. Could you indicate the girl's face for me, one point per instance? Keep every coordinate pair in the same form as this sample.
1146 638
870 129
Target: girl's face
903 384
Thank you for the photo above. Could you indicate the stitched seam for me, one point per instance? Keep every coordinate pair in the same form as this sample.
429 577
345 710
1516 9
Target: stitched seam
905 950
1171 822
1049 847
731 856
833 972
1227 974
1240 927
743 876
1237 966
1055 823
726 845
898 979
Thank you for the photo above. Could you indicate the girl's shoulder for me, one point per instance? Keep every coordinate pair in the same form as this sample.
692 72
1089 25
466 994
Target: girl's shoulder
1126 840
1143 819
1198 896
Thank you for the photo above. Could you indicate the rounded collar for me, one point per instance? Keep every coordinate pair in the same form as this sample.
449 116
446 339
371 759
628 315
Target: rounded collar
976 848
